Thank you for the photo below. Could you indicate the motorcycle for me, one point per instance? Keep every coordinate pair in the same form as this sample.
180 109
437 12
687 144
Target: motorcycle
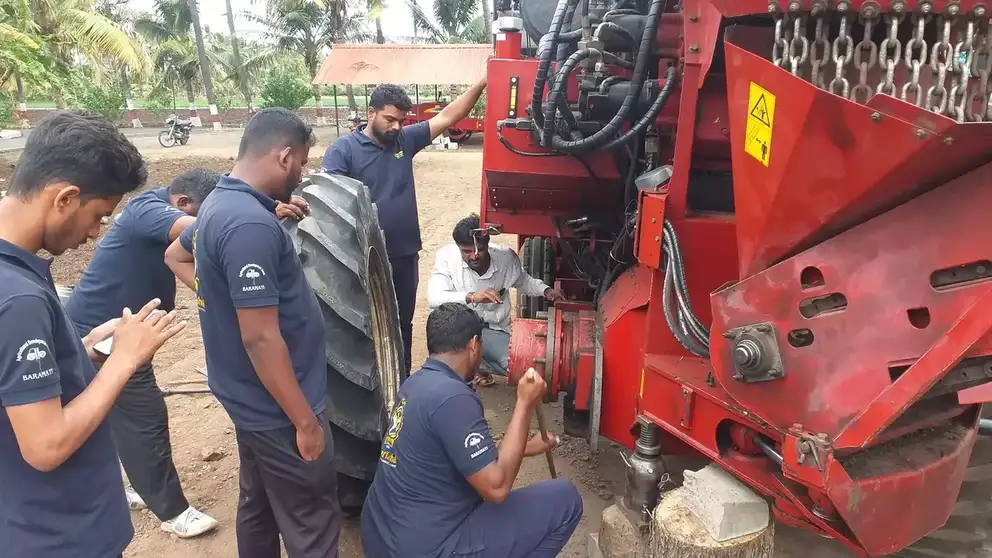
178 132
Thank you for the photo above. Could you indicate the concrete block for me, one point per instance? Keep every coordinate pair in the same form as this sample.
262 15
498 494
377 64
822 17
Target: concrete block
619 536
592 546
724 505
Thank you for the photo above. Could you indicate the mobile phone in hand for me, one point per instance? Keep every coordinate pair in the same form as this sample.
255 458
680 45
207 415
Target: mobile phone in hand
107 345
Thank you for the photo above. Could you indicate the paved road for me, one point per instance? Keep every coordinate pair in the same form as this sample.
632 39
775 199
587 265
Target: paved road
132 133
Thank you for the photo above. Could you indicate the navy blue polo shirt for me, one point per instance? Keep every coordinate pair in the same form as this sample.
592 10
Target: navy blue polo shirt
128 267
246 259
388 172
79 509
438 436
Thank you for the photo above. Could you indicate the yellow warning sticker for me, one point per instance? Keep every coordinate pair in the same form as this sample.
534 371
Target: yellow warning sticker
760 123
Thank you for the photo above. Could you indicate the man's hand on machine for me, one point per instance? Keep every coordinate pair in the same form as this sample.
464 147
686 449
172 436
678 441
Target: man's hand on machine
297 208
488 296
553 295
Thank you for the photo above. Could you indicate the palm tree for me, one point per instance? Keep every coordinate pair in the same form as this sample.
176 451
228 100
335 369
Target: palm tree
309 28
177 64
208 84
68 29
236 54
244 73
456 22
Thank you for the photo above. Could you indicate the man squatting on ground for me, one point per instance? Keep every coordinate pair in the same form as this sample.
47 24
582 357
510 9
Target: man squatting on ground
264 340
380 154
475 272
442 487
62 493
126 270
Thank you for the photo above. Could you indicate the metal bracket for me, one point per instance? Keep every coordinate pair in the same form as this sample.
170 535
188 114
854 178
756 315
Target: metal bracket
814 447
686 399
755 353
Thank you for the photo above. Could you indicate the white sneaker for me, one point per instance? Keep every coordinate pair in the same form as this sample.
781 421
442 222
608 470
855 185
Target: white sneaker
190 523
133 500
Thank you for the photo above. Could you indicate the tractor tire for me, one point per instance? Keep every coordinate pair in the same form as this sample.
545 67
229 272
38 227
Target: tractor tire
969 528
537 258
344 259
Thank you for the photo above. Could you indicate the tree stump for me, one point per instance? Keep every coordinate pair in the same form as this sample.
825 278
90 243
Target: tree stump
677 533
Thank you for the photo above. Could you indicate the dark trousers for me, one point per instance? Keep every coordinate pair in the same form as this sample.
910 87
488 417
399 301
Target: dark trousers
406 277
535 521
139 423
283 494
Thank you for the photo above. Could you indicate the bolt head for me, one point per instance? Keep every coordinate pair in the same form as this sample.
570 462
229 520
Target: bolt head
739 377
794 7
954 9
921 134
948 141
694 48
693 19
869 12
897 7
876 117
843 7
980 11
926 8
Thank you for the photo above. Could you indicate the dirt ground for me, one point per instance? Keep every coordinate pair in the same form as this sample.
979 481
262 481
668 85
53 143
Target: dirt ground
447 190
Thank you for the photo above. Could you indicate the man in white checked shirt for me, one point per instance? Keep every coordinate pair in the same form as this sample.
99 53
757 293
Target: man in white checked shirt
473 272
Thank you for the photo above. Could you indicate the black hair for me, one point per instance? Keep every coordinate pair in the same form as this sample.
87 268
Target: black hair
389 94
274 128
81 148
450 327
195 184
462 235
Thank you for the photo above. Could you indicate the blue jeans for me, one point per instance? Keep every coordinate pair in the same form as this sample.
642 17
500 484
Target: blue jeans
535 521
495 351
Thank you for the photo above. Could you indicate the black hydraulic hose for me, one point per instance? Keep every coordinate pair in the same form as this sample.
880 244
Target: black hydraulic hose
557 87
617 29
565 44
671 77
621 11
637 82
536 105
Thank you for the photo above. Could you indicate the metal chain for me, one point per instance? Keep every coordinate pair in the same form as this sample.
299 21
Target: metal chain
781 45
964 51
843 52
888 63
864 59
819 54
981 66
916 56
940 58
799 45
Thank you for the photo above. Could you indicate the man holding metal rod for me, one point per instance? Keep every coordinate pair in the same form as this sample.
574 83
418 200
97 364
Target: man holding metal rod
443 486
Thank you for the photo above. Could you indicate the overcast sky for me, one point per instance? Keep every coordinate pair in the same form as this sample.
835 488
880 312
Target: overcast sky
396 19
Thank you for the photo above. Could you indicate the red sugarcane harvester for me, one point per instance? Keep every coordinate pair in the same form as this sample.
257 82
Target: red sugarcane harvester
772 221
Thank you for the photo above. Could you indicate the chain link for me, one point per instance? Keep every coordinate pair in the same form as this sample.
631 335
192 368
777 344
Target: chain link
843 52
940 57
819 54
799 45
781 45
981 66
964 51
916 56
864 60
888 63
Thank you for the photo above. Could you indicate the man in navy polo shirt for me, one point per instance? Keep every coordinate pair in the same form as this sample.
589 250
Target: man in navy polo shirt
443 486
380 154
264 338
126 270
62 494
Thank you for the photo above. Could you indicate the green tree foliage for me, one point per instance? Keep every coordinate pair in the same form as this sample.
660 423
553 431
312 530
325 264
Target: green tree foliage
286 90
106 100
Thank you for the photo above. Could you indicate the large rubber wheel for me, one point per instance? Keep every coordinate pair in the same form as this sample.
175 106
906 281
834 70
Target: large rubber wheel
537 258
344 258
967 532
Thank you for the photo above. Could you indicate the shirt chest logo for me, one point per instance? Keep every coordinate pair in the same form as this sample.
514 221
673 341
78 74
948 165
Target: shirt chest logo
398 154
250 274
